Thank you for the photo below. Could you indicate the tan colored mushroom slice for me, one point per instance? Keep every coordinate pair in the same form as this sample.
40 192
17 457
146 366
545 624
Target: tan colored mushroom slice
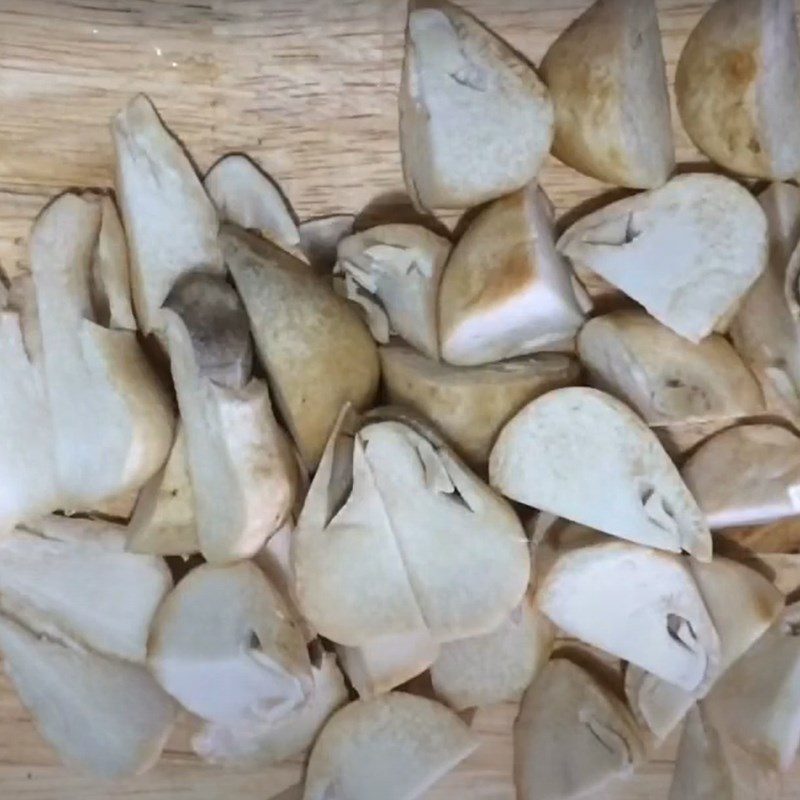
548 457
505 290
112 421
764 330
170 221
163 520
247 196
317 352
687 251
747 475
476 122
572 736
394 747
320 237
358 537
757 701
638 604
243 478
264 743
738 87
105 716
73 577
386 662
608 82
669 381
498 666
743 605
393 272
225 645
471 404
710 767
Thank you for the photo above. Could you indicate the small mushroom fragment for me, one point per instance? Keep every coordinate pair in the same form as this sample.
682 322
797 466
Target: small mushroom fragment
765 330
317 352
245 195
470 405
505 290
163 521
572 736
257 742
638 604
225 645
687 251
243 478
111 420
394 747
669 381
608 82
369 563
74 576
498 666
170 221
738 87
320 237
393 272
476 122
547 457
747 475
106 716
742 604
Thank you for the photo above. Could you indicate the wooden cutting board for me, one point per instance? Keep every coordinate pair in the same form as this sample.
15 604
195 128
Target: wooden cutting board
308 89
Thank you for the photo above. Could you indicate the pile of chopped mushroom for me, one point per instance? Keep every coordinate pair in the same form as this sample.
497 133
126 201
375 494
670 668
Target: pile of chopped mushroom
506 462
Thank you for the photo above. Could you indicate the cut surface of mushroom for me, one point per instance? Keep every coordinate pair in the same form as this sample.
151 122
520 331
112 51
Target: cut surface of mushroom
638 604
394 746
738 87
687 251
572 736
606 76
506 291
393 272
476 121
547 457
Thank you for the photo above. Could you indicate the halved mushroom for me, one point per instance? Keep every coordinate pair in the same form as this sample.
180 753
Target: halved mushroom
225 645
498 666
383 663
170 221
572 736
638 604
608 82
163 520
111 419
746 475
320 237
669 381
743 605
687 251
104 715
317 352
471 404
256 742
547 457
476 122
394 747
369 563
247 196
393 272
738 87
765 330
505 290
73 577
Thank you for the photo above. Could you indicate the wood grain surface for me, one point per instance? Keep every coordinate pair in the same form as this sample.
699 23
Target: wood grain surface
309 90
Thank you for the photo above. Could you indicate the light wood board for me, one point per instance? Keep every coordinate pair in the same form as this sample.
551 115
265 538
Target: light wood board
308 89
